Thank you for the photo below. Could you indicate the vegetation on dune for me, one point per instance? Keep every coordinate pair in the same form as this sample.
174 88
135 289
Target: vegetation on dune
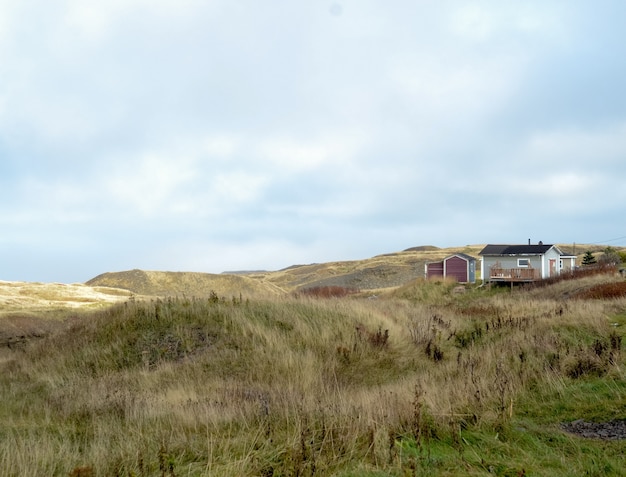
427 379
156 283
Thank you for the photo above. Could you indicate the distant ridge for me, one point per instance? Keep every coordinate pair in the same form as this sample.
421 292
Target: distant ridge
196 284
242 272
422 248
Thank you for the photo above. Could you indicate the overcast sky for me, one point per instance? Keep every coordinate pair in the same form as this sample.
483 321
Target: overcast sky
213 135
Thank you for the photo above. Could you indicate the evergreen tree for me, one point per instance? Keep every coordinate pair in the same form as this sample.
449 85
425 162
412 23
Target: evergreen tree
589 259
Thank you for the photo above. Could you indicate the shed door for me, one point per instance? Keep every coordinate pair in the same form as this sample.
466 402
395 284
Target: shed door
456 268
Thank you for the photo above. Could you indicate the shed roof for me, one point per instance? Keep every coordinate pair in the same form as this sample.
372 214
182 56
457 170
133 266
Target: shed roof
464 256
492 249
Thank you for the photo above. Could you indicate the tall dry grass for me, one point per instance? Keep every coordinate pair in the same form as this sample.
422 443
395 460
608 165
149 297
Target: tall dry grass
291 386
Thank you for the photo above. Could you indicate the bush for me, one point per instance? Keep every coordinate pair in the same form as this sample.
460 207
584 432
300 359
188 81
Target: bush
328 291
604 290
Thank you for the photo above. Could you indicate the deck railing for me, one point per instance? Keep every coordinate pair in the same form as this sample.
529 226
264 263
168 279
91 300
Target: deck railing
514 274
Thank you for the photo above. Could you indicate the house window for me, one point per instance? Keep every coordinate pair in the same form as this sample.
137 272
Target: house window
523 263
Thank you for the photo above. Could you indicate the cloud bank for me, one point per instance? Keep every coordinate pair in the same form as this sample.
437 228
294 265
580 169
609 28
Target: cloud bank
211 136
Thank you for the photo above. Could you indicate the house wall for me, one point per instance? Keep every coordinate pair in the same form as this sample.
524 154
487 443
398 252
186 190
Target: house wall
510 262
552 254
569 263
434 269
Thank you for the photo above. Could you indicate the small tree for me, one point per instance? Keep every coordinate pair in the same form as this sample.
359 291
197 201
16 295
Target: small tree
610 257
589 259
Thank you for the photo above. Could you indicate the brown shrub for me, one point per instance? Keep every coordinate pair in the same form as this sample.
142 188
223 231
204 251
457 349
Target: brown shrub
603 291
377 339
328 291
588 271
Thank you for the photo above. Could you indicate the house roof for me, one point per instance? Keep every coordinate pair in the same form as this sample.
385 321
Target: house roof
492 249
464 256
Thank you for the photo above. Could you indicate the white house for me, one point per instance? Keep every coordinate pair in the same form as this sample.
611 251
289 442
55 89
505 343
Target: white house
523 263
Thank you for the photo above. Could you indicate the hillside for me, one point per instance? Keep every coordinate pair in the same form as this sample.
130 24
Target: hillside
33 310
157 283
422 381
379 272
382 271
36 309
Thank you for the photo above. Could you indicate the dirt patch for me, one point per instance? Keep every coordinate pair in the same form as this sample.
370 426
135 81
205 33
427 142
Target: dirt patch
610 430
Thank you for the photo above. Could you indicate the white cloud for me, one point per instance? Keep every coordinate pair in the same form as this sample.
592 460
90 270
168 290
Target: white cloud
458 92
294 156
576 148
484 21
236 188
289 155
536 184
472 21
96 21
151 186
221 146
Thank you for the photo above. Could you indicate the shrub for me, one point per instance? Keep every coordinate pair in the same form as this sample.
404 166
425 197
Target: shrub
604 290
328 291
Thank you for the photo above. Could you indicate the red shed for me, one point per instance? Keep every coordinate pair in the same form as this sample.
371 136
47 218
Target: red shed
460 266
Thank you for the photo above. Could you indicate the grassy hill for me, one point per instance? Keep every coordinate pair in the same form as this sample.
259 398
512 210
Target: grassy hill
36 309
156 283
144 373
424 380
379 272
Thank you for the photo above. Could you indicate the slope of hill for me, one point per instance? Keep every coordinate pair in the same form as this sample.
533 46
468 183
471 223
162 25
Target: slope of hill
379 272
423 381
33 297
382 271
33 310
156 283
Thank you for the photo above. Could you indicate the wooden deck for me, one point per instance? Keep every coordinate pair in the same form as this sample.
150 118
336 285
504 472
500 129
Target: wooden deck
497 274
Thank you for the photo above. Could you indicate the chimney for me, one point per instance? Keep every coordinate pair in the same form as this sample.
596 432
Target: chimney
541 242
528 241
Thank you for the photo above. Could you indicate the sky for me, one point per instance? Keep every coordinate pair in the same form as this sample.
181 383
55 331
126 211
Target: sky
220 135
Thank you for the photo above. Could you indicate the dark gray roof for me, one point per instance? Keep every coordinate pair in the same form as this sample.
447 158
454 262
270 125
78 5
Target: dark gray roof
467 257
515 249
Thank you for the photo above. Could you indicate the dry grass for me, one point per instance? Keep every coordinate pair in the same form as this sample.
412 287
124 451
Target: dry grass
158 283
292 385
28 296
232 385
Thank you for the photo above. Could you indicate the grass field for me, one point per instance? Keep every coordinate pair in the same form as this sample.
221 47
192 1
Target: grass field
426 379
